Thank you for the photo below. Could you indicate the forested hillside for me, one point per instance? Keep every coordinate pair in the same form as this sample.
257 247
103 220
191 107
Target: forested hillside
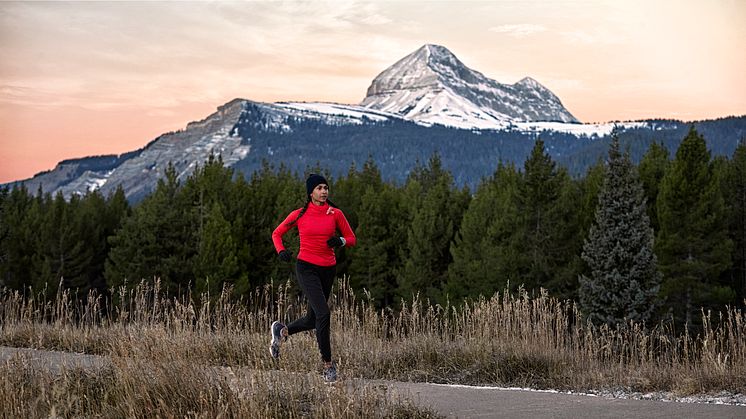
531 225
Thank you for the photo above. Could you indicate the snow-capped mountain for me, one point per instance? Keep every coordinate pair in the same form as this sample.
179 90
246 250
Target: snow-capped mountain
427 102
431 85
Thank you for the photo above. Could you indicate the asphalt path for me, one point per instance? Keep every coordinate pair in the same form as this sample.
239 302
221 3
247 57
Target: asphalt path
492 402
465 401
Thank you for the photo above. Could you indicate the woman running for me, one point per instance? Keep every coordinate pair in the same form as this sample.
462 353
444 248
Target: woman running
317 222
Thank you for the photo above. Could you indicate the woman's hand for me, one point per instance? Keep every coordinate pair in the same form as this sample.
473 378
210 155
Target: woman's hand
336 242
285 255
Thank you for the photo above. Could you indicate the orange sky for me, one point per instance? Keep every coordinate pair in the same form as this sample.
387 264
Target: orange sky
79 79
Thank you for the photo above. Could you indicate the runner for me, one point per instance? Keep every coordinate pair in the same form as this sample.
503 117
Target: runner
317 222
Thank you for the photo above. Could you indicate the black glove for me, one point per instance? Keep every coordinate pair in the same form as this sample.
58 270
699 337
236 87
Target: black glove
285 255
334 242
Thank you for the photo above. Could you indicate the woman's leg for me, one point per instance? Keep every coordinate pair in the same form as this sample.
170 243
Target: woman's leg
307 322
323 329
316 283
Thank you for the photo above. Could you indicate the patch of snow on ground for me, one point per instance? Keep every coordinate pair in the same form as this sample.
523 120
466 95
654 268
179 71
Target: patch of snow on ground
723 397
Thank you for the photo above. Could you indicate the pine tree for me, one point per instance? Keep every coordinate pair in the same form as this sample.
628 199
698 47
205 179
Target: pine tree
652 168
18 237
428 239
734 191
348 193
62 252
4 235
539 238
157 241
209 184
91 221
582 206
381 230
216 261
693 247
482 263
264 202
435 213
216 207
624 280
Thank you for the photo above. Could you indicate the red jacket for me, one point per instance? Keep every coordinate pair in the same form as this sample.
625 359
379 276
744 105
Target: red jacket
315 227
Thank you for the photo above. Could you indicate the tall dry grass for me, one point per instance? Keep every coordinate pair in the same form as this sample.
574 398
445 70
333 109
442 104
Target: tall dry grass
507 339
146 388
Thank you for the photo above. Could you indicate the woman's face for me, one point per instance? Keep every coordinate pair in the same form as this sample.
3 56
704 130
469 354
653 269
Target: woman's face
320 193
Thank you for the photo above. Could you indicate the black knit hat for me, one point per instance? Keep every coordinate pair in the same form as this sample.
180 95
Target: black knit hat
313 181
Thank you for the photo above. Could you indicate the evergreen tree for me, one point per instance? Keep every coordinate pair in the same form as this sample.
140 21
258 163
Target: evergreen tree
208 184
62 253
624 280
539 238
213 196
157 241
428 239
435 212
264 203
584 202
216 261
482 259
4 235
92 225
18 237
652 168
734 191
571 214
348 193
693 247
380 232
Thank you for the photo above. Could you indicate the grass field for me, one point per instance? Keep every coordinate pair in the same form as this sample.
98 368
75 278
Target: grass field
165 352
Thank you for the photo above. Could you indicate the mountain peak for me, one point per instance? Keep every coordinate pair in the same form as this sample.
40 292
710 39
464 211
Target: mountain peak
530 83
434 51
432 85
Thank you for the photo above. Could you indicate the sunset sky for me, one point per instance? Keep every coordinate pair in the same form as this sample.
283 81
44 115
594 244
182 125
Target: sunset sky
80 79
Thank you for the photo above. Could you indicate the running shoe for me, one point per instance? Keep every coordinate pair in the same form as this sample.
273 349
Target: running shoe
330 373
277 339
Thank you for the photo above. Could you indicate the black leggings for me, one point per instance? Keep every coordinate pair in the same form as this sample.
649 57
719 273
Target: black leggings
316 283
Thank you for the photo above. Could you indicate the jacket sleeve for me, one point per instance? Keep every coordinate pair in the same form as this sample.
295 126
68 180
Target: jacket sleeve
344 227
282 229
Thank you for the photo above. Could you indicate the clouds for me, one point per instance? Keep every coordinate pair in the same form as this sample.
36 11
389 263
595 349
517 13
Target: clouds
82 62
589 35
597 36
520 30
161 53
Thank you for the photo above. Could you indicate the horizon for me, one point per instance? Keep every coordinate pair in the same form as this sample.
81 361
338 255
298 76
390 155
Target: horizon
85 79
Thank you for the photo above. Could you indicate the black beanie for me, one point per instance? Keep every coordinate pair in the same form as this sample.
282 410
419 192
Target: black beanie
313 181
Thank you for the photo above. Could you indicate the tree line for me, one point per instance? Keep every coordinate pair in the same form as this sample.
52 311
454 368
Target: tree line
659 240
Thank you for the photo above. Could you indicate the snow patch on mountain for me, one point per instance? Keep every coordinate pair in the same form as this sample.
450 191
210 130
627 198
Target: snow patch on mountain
579 130
431 85
334 112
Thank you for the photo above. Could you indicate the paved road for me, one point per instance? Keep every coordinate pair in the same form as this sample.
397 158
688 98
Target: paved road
471 402
485 402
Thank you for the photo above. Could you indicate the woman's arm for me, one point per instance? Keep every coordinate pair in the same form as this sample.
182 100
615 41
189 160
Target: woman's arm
282 229
344 227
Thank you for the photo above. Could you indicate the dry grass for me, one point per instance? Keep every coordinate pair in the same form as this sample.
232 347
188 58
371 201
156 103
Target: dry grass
143 388
503 340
